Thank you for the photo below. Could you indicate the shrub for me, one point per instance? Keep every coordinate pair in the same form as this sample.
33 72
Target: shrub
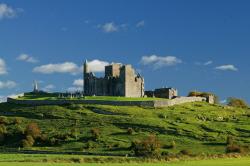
173 145
230 140
53 141
186 152
74 133
95 133
17 121
130 131
42 140
33 130
235 102
28 141
234 149
4 120
90 145
148 147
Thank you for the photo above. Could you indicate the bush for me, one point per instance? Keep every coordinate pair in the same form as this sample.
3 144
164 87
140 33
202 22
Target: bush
234 149
74 133
17 121
230 140
33 130
4 120
235 102
130 131
148 147
90 145
186 152
95 133
28 141
173 145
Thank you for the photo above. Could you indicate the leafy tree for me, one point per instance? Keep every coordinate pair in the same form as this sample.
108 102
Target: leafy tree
130 131
148 147
33 130
235 102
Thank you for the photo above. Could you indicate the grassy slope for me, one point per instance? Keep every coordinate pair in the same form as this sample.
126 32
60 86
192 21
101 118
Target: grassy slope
54 96
199 127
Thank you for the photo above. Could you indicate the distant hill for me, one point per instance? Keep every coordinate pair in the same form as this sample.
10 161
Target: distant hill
196 127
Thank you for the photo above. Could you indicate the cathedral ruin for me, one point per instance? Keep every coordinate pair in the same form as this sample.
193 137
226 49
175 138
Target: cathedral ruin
119 80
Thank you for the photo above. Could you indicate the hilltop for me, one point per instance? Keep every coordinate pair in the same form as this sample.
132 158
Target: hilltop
196 127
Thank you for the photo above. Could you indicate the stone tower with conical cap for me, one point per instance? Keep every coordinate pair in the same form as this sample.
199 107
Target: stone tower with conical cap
85 76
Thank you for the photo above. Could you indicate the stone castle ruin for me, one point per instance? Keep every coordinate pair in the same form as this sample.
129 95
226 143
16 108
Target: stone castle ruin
119 80
168 93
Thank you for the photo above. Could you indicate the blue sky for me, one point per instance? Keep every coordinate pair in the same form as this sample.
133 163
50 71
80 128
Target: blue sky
190 45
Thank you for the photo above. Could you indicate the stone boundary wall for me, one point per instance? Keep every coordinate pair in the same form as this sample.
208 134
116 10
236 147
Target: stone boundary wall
155 103
178 100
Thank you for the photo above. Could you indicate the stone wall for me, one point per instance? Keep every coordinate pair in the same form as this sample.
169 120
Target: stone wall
156 103
178 100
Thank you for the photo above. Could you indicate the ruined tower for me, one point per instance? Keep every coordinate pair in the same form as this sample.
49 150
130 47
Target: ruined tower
119 80
85 77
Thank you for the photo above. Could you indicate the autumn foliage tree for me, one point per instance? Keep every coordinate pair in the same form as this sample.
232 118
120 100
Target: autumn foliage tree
33 130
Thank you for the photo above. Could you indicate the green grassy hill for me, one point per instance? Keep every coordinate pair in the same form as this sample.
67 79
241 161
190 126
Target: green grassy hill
197 127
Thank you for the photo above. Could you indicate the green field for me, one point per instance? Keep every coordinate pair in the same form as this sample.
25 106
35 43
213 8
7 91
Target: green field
63 160
199 128
217 162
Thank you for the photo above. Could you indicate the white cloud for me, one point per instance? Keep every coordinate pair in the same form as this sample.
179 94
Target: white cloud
97 65
7 11
158 61
7 84
66 67
226 68
27 58
3 99
140 24
70 67
208 63
77 86
78 83
74 89
3 69
109 27
48 88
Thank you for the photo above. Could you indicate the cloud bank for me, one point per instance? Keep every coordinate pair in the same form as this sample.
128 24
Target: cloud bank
70 67
7 84
66 67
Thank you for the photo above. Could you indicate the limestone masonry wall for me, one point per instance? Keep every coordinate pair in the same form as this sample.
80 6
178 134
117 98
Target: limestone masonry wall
155 103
